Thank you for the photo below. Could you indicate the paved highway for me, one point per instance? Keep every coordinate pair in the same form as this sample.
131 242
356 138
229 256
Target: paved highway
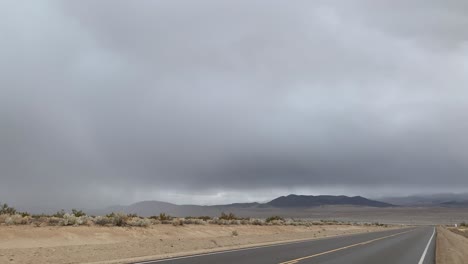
402 246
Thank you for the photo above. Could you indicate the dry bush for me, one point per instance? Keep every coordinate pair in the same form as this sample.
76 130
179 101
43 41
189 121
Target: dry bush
229 216
7 210
40 221
177 222
139 222
68 220
78 213
276 222
155 221
3 218
217 221
204 218
244 222
257 222
165 217
16 219
102 220
119 219
54 221
274 218
194 221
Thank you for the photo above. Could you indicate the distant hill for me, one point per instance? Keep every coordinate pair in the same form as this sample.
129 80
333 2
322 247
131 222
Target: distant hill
311 201
430 200
458 204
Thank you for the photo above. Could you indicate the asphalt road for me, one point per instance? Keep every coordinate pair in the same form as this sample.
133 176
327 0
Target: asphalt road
402 246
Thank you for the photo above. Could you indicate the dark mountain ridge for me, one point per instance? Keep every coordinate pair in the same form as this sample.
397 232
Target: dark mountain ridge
320 200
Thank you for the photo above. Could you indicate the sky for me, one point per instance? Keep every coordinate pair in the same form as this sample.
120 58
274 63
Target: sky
209 102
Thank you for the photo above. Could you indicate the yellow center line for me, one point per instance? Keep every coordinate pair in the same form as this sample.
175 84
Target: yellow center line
293 261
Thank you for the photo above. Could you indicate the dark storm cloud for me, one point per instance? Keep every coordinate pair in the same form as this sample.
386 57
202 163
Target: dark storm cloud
107 102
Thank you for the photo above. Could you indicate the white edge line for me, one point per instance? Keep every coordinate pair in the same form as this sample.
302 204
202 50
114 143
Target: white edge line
226 251
421 261
249 248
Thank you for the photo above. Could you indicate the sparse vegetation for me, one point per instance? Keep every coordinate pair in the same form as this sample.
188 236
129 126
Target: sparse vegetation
59 214
119 219
164 217
139 222
10 216
274 218
7 210
204 218
229 216
78 213
102 220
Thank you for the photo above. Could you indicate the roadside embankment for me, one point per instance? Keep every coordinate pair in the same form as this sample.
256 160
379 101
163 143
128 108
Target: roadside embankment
452 246
87 244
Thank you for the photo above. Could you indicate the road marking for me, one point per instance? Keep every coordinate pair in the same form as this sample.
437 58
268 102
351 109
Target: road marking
245 249
421 261
293 261
240 249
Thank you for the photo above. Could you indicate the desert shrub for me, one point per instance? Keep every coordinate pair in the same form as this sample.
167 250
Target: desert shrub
217 221
3 218
78 213
54 221
139 222
256 222
68 220
119 219
194 221
110 215
24 214
59 214
37 216
83 220
244 222
378 224
235 233
132 215
164 217
16 219
154 221
275 222
274 218
229 216
40 221
5 209
204 218
462 224
178 222
102 220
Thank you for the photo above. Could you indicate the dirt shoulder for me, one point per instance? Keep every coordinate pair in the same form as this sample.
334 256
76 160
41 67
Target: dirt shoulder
452 248
83 244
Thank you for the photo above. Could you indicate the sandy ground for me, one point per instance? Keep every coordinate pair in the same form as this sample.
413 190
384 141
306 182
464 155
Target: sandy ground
451 248
83 244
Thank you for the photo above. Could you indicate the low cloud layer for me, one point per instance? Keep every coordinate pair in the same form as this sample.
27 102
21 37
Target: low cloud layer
106 102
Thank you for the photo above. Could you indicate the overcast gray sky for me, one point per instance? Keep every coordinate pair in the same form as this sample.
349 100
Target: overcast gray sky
112 102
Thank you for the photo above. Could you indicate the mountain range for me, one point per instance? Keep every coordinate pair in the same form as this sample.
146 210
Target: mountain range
283 203
430 200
